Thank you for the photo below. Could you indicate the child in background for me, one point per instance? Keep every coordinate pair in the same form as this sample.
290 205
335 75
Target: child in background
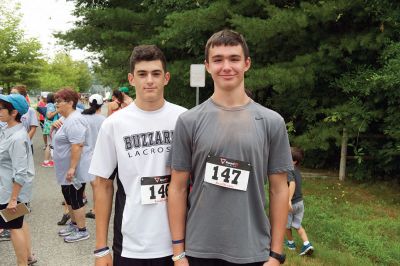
296 206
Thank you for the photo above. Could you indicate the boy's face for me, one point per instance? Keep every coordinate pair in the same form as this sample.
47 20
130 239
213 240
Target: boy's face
149 80
227 66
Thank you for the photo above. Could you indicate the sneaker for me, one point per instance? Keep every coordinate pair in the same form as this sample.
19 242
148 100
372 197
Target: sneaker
48 164
51 163
64 219
90 215
32 260
77 236
307 249
291 246
69 229
5 235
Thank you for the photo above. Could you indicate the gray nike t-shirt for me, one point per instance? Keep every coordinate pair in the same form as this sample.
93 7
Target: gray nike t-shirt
224 221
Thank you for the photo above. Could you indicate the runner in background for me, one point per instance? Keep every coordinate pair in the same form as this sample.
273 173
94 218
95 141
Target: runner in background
120 99
42 103
94 121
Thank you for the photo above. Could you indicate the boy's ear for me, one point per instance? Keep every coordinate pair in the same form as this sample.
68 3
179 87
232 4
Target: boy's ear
131 79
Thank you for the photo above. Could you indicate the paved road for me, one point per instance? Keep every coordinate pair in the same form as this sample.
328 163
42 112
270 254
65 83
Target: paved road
49 248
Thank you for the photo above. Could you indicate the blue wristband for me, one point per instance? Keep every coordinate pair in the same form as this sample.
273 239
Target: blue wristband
174 242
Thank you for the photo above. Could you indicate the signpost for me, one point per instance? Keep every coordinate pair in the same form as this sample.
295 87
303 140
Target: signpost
197 78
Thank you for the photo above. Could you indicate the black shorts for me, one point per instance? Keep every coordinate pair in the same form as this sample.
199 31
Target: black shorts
14 224
216 262
72 196
121 261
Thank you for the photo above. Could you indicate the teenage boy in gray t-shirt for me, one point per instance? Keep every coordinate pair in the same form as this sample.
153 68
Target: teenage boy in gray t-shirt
230 146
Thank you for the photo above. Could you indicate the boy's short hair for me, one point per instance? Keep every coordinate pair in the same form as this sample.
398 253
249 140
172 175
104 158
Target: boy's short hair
227 38
297 154
147 53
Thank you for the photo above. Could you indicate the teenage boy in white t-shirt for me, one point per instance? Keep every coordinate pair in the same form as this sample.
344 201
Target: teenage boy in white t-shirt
137 139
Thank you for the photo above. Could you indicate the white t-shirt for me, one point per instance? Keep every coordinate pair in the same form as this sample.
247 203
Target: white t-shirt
140 142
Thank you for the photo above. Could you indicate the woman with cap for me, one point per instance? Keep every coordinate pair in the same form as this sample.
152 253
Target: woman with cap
120 99
94 120
71 161
16 172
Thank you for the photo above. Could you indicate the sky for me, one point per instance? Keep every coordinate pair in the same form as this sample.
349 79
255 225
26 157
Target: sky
41 18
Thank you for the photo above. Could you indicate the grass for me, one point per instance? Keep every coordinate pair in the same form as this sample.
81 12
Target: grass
350 223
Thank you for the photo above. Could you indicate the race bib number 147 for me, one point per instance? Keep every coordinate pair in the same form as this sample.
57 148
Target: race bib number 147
154 189
227 173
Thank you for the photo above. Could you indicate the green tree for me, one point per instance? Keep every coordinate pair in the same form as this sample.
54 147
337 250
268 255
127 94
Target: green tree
318 63
20 57
62 71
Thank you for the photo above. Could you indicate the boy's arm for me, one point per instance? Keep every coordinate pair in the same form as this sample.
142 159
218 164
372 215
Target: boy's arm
104 190
292 188
278 212
177 208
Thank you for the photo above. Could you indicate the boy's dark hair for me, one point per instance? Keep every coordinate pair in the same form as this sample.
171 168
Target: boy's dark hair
10 108
297 154
227 38
147 53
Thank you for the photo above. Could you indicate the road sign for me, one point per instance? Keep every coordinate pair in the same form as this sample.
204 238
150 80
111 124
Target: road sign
197 78
197 75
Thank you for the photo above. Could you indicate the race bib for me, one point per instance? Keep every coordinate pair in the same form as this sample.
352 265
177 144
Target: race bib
227 173
154 189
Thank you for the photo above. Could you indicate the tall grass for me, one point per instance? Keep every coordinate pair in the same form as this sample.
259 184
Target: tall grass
349 223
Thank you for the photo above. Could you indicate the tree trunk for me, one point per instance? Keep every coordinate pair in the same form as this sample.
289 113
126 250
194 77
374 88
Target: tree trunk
343 154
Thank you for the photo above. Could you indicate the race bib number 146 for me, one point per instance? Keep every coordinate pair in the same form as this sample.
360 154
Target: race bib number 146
227 173
154 189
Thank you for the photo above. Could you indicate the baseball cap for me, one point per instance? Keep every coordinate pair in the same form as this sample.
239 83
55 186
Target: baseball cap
17 101
44 94
97 97
124 89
